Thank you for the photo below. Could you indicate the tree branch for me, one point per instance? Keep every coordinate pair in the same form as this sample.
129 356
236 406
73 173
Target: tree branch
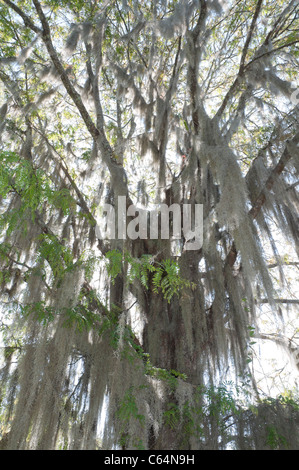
272 51
46 35
201 20
276 27
279 301
117 172
26 19
277 170
243 68
286 263
249 35
260 200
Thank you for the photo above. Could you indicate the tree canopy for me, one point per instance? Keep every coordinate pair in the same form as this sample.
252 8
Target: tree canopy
141 343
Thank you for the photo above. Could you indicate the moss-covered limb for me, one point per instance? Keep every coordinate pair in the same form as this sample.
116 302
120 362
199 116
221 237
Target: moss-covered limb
261 198
61 164
107 320
117 172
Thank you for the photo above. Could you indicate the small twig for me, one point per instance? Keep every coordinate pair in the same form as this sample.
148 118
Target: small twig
129 308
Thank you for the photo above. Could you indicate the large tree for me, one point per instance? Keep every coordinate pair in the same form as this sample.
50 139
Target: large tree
160 102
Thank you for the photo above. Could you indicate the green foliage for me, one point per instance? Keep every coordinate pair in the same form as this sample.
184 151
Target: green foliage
39 311
220 401
114 266
172 415
140 269
167 279
275 440
210 404
59 257
62 199
88 263
169 376
5 277
162 277
86 156
128 408
109 325
187 418
128 411
34 188
81 317
18 175
76 6
286 399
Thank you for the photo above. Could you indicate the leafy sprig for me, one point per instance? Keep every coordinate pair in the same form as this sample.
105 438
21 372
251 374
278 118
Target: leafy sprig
161 276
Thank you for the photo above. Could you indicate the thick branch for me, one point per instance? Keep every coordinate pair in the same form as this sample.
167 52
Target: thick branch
201 20
46 35
277 170
279 301
117 173
193 69
250 32
26 19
